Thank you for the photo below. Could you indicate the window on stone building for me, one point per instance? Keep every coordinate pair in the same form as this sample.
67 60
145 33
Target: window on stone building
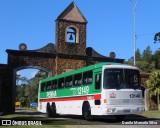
71 35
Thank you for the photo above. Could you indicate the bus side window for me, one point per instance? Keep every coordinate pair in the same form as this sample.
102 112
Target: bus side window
68 81
49 86
54 84
97 81
77 79
87 77
61 83
43 87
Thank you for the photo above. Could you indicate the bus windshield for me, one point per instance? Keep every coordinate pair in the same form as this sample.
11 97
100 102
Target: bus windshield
121 79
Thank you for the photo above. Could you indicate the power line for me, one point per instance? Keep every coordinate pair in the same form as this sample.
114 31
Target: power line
147 34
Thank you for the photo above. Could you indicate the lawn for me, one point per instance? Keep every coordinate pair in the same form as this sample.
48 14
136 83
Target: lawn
151 114
27 108
27 117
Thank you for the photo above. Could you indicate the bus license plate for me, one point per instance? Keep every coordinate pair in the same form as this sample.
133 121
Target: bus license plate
127 111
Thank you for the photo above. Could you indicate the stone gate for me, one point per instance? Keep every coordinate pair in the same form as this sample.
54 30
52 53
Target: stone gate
69 52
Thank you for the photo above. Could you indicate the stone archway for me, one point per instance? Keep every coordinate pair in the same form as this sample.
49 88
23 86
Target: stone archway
43 59
21 68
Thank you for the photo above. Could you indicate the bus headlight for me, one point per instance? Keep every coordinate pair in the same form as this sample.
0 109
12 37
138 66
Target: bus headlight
111 110
139 109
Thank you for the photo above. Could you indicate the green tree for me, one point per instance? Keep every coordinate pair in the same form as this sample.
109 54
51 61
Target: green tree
21 83
138 55
157 37
20 91
24 81
145 66
153 84
130 61
17 78
41 74
147 54
31 91
28 90
156 59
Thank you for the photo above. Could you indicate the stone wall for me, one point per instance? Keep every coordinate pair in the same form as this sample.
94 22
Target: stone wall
6 89
64 65
42 63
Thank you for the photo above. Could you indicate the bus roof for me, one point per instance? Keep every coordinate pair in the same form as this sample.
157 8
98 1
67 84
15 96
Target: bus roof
91 67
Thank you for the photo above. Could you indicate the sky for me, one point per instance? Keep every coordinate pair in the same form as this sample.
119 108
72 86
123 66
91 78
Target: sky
110 24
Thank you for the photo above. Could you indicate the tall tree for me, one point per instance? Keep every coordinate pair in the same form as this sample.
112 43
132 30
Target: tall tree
145 66
41 74
153 84
17 78
28 90
156 59
147 54
31 92
138 55
24 80
20 91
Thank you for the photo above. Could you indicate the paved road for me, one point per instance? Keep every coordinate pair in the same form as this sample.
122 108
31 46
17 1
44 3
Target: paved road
129 121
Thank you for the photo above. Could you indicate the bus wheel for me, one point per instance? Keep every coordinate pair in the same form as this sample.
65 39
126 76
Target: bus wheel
49 111
120 117
53 107
86 111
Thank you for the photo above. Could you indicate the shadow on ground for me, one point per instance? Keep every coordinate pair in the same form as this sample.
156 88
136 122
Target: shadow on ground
27 115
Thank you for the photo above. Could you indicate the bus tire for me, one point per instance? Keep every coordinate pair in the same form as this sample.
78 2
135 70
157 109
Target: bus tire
120 117
53 108
86 111
48 110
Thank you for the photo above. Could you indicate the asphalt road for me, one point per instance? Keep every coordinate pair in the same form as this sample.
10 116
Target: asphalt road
102 121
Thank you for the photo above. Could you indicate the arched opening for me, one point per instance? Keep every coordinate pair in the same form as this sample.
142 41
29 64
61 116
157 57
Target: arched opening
26 84
71 35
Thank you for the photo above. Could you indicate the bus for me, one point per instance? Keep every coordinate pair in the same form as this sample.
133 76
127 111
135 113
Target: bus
98 90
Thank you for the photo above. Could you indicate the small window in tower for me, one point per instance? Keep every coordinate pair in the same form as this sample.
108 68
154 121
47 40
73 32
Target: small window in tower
71 35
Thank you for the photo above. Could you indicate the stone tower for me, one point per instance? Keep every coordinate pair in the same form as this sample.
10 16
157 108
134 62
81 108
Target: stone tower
71 31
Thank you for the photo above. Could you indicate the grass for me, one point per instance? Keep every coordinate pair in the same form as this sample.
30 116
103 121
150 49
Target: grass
27 108
29 116
151 114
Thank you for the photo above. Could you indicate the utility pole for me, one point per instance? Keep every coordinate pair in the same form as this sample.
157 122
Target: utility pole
135 36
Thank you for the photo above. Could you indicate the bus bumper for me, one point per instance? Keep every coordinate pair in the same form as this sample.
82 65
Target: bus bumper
122 110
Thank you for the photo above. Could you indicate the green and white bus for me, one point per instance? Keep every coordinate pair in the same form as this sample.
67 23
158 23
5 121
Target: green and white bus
96 90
